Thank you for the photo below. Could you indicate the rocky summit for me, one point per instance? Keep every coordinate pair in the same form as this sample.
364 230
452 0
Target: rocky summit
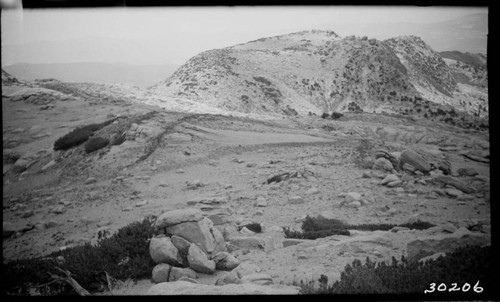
240 147
319 71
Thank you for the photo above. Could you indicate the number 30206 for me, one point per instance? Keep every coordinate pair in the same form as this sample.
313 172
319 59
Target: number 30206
454 287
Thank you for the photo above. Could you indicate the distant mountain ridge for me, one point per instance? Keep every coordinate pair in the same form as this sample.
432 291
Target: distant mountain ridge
318 71
136 75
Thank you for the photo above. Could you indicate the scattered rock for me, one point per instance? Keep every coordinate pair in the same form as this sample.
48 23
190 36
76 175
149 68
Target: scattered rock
295 200
90 180
20 165
382 164
394 183
445 166
59 209
161 273
162 250
248 242
416 160
178 216
198 232
261 202
444 180
225 261
467 172
177 273
199 261
389 178
453 192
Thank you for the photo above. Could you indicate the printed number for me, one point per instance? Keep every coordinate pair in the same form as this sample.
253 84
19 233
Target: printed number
454 287
466 285
433 288
477 288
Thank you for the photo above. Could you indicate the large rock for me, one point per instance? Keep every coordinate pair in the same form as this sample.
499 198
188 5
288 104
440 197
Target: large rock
416 160
248 242
225 261
188 288
162 250
197 232
392 157
199 261
182 246
445 243
382 164
20 165
444 180
177 273
389 178
178 216
161 272
220 242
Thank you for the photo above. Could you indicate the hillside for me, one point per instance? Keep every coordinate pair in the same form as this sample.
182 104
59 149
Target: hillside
318 71
467 68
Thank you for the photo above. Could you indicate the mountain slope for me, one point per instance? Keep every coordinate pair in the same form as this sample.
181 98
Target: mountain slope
310 71
467 68
318 71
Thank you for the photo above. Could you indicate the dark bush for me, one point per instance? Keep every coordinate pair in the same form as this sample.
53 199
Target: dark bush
468 264
118 139
72 139
79 135
262 80
337 115
325 115
96 143
123 255
318 227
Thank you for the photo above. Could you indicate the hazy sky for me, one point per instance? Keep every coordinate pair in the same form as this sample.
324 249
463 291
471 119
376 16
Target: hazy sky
181 32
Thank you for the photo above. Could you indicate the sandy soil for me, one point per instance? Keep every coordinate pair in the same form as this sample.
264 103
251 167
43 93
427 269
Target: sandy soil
207 148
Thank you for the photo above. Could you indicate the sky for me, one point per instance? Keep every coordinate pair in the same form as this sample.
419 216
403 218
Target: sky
174 34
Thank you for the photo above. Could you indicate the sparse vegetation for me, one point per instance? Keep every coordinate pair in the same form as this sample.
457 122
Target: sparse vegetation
318 227
123 255
72 139
96 143
363 158
78 136
470 264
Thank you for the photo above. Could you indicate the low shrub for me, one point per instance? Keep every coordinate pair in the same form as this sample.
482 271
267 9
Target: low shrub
123 255
118 139
469 264
79 135
319 227
325 115
72 139
96 143
363 158
336 115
